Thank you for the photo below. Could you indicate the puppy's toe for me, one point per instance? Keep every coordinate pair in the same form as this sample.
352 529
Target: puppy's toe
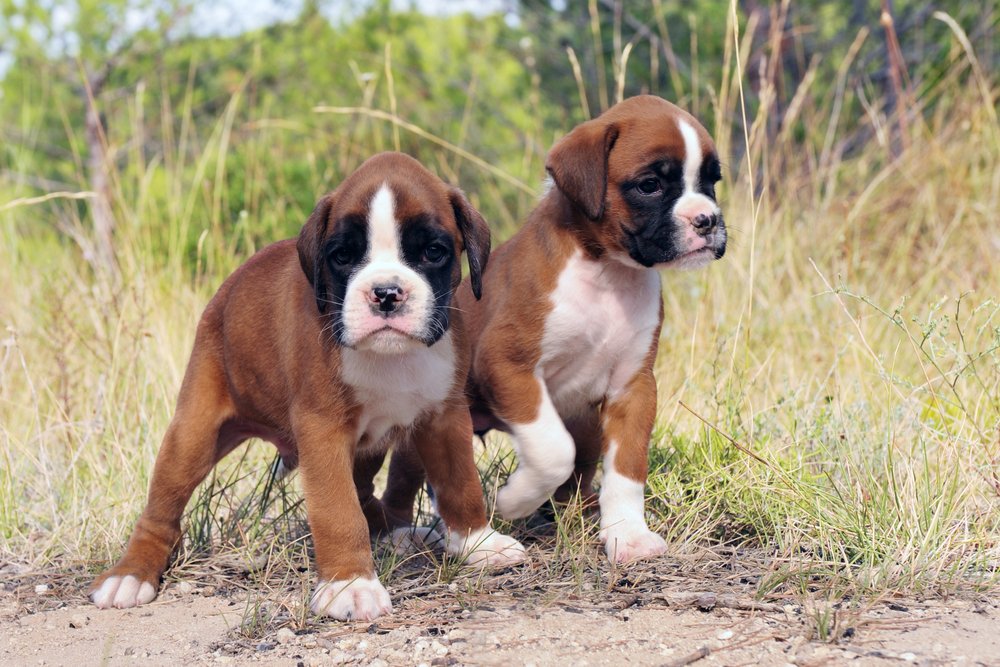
359 599
487 548
627 542
123 592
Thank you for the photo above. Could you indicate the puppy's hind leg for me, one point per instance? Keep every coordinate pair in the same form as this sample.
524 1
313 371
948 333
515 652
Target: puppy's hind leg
191 446
587 432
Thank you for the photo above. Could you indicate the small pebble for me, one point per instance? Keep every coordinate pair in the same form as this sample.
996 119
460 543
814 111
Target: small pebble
185 588
908 657
78 620
285 635
41 589
378 662
725 634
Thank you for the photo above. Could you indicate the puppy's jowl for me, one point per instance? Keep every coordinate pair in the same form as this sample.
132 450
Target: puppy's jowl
565 337
333 347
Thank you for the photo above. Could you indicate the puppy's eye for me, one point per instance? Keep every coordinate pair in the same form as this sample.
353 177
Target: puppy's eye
648 186
435 253
342 256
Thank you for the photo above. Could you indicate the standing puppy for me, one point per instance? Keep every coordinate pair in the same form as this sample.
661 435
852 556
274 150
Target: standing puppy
332 348
566 334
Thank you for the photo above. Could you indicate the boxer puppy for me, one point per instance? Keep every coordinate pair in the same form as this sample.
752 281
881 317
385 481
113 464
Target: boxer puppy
331 348
565 337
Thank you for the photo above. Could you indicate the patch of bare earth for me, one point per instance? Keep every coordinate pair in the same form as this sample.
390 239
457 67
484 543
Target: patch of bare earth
651 615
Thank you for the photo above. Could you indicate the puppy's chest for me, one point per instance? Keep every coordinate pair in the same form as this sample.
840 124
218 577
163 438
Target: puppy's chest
601 326
393 391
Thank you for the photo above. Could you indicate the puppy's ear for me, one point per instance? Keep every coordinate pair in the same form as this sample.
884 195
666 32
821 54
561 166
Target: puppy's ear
310 245
578 164
475 236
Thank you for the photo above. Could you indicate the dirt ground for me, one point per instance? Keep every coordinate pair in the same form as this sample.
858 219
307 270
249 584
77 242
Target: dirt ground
194 622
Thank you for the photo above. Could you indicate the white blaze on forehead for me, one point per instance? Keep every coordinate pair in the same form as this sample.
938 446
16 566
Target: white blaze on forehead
383 232
692 156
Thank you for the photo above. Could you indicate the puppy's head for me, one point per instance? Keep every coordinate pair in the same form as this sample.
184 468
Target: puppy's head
643 177
382 253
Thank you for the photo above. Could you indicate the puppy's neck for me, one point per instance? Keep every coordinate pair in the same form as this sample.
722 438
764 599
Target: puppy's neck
568 219
405 372
560 219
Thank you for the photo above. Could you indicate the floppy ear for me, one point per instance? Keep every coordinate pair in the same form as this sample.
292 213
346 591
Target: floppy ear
475 236
309 246
578 163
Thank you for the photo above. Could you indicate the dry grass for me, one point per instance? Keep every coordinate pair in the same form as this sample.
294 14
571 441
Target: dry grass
829 393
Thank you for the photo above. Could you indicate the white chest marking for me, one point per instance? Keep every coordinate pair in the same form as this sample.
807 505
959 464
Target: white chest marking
603 321
395 389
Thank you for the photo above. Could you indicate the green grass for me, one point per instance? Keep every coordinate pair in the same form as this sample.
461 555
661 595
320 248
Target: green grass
829 392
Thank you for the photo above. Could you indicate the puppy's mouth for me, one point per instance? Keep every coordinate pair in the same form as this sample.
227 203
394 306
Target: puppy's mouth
652 254
694 258
389 340
674 246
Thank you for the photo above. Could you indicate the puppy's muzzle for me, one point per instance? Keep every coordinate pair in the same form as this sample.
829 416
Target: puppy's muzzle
387 299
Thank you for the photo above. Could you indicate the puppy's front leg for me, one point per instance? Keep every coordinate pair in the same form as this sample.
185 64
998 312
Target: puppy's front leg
348 587
628 423
545 451
444 443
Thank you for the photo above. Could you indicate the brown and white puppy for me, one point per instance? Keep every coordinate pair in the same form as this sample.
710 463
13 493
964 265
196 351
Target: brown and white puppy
332 348
565 337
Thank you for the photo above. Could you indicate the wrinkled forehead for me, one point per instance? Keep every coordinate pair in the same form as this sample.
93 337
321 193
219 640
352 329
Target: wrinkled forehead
403 197
658 136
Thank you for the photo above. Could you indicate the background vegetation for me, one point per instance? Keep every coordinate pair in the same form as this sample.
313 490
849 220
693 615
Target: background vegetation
829 393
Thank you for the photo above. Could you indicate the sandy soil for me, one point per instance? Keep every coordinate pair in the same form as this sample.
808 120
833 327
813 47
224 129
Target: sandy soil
190 623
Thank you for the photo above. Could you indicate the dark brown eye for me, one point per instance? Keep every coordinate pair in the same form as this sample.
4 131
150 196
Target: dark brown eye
435 253
342 256
648 186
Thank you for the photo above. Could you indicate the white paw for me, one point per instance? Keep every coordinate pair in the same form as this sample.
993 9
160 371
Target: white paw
486 548
625 542
409 540
359 599
520 497
123 592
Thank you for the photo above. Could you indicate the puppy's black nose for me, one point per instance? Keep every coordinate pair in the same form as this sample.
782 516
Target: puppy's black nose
388 298
703 223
